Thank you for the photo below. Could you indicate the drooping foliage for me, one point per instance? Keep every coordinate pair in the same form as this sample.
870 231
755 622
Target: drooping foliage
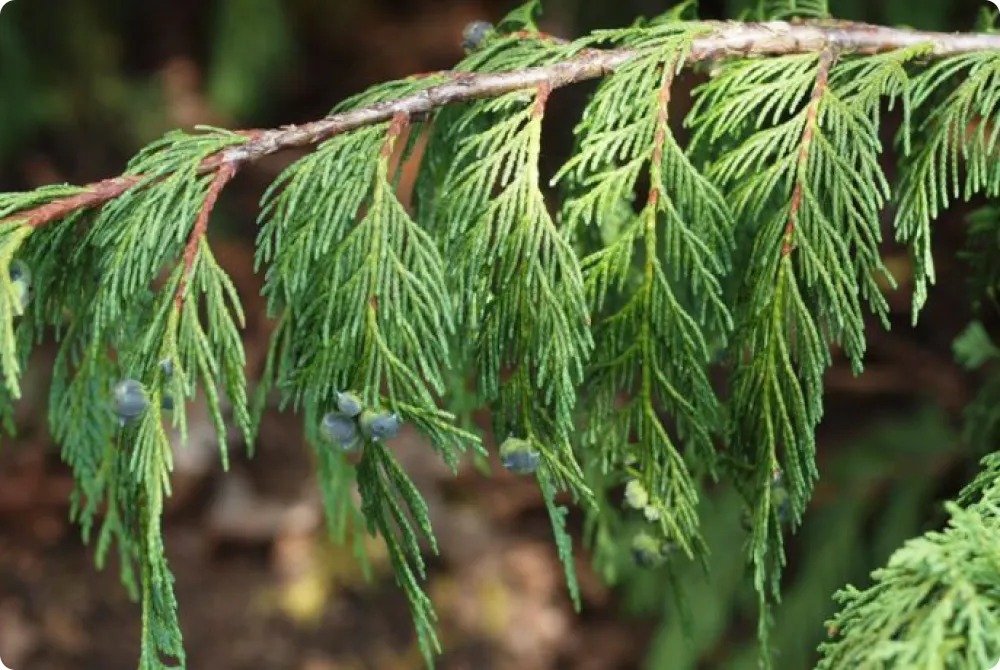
656 326
665 326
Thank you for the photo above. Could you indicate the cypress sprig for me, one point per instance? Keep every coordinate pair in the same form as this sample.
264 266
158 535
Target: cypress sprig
655 342
594 327
957 136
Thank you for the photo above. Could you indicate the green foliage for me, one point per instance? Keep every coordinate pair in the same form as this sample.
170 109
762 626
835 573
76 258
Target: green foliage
363 301
785 9
875 494
800 163
653 333
594 335
933 606
522 18
95 288
381 481
958 139
974 347
564 543
935 603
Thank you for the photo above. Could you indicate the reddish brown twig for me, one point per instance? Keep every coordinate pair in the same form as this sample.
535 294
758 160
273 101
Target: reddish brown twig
542 99
728 39
223 175
95 195
660 138
397 127
826 60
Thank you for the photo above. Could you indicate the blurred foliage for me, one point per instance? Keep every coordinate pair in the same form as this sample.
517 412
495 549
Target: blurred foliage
240 78
867 504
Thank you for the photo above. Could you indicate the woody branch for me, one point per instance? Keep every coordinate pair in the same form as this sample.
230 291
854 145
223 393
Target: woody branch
727 40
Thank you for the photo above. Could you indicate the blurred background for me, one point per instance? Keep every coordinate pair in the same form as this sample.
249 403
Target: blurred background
85 84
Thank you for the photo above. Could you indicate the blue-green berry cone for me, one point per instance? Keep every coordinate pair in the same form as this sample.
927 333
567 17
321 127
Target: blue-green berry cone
348 403
636 495
167 403
647 551
340 429
167 366
385 426
475 34
20 277
379 425
519 456
19 272
129 399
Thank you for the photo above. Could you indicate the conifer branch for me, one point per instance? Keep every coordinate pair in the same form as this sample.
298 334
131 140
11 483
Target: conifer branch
376 296
94 195
727 40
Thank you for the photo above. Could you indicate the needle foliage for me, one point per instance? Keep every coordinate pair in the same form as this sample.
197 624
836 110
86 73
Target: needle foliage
659 314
